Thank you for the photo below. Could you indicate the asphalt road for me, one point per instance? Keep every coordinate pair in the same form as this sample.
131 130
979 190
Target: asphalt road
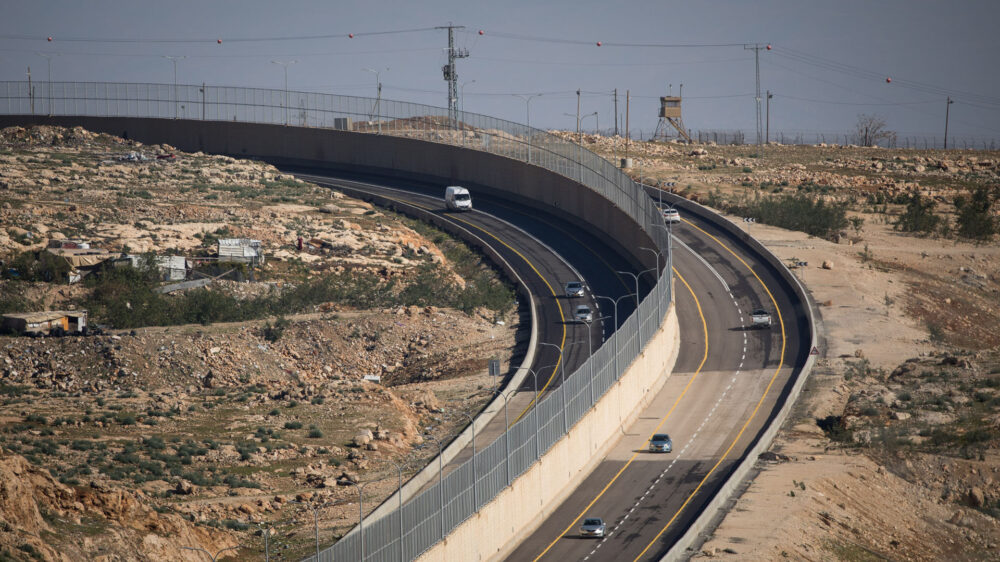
723 390
720 396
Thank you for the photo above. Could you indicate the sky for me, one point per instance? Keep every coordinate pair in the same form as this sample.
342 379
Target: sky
828 63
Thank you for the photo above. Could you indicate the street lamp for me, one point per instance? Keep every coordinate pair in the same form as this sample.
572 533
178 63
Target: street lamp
376 110
562 384
534 414
427 434
462 90
315 511
659 308
174 60
475 474
506 430
669 266
285 64
399 510
615 302
48 87
597 121
590 353
527 116
210 555
361 510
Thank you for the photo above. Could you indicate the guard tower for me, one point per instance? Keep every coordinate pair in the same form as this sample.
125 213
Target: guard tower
670 115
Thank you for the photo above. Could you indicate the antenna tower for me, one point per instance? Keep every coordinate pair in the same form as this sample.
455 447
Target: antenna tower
450 75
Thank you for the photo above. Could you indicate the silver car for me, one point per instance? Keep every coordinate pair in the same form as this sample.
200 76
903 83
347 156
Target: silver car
583 314
574 289
593 527
661 443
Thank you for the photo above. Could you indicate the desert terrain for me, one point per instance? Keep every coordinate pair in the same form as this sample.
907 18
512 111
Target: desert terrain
213 417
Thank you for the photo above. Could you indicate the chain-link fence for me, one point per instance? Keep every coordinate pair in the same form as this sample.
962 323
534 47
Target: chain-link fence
432 514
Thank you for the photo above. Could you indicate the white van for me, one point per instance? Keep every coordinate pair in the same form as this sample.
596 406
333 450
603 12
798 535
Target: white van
457 198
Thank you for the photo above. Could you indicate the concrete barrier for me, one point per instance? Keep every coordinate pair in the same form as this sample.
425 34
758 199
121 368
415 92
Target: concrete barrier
492 533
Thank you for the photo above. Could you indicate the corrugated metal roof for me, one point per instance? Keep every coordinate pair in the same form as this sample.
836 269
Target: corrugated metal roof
45 316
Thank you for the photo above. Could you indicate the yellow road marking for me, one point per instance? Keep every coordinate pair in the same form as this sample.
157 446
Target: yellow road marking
760 402
663 420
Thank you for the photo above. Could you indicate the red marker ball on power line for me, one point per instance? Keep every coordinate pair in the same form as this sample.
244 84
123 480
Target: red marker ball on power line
481 32
768 47
598 43
888 80
50 39
219 41
350 36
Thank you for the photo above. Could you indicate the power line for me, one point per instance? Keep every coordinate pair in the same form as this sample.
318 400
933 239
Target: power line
598 43
216 39
785 96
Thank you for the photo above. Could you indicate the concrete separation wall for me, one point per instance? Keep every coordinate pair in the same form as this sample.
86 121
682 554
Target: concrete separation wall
495 407
682 549
494 531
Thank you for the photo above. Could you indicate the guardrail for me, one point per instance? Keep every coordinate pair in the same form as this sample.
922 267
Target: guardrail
429 516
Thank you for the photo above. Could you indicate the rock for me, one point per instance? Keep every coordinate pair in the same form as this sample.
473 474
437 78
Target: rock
900 416
771 456
363 438
976 497
827 264
184 488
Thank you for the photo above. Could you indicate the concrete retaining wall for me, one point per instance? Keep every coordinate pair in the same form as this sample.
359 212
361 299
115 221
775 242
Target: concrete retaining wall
517 511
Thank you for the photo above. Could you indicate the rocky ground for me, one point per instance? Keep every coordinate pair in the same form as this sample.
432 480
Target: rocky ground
137 442
893 451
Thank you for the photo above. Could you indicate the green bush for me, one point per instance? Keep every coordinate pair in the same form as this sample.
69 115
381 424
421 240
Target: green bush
315 433
293 425
918 216
975 218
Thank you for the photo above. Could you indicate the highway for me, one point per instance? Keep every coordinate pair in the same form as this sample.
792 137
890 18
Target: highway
725 383
724 386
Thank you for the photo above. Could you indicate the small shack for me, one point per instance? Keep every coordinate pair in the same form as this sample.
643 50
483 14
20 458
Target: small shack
50 322
172 268
243 250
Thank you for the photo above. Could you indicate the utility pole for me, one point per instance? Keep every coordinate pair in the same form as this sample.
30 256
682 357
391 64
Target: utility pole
579 137
947 110
450 75
31 92
767 132
628 98
616 112
756 59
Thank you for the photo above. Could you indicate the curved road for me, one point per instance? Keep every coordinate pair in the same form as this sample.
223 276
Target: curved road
725 384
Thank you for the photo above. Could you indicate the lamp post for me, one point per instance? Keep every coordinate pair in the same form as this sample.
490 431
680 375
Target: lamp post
174 60
428 435
659 307
597 123
285 64
315 511
562 385
527 116
215 556
475 474
767 133
376 109
590 353
48 84
399 509
506 431
462 90
669 266
361 511
615 303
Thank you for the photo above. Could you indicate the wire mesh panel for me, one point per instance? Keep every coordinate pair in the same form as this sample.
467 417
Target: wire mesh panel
428 516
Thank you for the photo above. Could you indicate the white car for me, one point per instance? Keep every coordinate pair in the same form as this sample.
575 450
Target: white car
583 314
671 215
593 527
574 289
